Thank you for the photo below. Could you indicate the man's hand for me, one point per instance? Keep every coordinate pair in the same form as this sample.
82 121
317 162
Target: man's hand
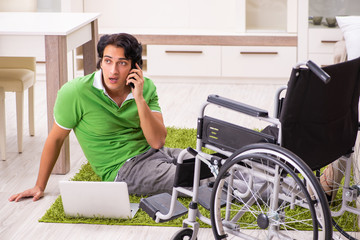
36 193
137 79
48 159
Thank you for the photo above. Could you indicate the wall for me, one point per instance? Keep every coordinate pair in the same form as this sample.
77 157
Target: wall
18 5
49 5
41 5
268 14
174 14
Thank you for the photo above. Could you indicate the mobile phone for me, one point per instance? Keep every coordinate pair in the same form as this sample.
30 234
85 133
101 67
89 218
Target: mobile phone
132 85
133 66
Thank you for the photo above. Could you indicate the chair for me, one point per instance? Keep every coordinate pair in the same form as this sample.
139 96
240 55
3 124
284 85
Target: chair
16 75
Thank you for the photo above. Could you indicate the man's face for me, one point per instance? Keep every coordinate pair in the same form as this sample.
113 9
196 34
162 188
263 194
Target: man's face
115 68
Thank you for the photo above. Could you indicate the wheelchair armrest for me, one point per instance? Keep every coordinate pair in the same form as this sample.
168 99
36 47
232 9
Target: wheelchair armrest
237 106
192 151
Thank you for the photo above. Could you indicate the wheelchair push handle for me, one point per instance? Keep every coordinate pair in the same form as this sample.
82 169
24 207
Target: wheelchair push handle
318 71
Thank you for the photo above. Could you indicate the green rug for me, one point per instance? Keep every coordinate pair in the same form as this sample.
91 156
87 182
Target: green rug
179 138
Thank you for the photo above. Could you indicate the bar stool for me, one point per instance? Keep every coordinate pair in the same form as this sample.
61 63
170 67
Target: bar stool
16 75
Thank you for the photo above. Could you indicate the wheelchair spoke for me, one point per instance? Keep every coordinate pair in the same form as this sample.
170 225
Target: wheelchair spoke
345 201
277 206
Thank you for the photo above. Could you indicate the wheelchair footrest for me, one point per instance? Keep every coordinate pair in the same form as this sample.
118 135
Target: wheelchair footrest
205 196
161 202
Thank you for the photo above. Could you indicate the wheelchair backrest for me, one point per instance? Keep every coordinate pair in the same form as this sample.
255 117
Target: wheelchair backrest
320 121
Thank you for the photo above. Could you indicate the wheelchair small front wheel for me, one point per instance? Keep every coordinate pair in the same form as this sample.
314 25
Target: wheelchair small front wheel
183 234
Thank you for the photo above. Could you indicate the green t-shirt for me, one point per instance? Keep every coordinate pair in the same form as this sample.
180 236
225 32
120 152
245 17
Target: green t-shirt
108 134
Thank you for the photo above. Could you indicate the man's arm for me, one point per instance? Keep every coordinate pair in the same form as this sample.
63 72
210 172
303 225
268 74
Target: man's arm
49 156
151 123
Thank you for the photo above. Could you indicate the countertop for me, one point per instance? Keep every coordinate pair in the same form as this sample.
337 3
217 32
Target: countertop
208 37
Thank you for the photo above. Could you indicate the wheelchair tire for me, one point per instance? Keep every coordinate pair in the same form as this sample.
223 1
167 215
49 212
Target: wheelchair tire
346 221
270 193
341 234
183 234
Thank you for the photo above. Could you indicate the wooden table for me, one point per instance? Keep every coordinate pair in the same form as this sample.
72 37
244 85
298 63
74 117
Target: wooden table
51 35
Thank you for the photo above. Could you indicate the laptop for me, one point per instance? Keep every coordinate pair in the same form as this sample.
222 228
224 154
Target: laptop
97 199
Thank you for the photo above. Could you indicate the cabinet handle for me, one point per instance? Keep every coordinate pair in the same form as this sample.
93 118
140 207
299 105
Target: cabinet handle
182 51
259 53
329 41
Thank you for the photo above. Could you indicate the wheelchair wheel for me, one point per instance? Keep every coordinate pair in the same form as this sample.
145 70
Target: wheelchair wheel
346 192
270 194
183 234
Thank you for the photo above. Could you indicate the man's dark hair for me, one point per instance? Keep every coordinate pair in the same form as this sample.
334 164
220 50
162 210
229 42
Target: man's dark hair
132 48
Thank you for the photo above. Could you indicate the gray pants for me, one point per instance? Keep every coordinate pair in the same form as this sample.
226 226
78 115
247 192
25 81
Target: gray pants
152 172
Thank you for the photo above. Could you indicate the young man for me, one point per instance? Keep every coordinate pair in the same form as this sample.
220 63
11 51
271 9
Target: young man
117 120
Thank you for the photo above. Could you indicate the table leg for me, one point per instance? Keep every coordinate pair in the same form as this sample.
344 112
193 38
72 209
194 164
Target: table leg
89 50
56 76
2 125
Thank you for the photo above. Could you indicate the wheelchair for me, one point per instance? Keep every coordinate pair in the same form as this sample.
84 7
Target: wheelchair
266 183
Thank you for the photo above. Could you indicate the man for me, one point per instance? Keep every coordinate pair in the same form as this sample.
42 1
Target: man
117 120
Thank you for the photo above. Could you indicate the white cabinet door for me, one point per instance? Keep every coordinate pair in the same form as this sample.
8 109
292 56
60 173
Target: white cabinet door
322 44
322 40
187 60
255 62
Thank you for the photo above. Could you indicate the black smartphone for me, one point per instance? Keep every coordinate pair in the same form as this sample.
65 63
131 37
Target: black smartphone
133 66
132 85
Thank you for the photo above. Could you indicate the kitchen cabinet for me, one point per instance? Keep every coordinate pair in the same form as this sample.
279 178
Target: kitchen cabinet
257 62
321 44
197 40
184 60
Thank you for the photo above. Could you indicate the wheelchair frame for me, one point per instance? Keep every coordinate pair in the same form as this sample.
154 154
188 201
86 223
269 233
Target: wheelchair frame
272 149
348 194
270 159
